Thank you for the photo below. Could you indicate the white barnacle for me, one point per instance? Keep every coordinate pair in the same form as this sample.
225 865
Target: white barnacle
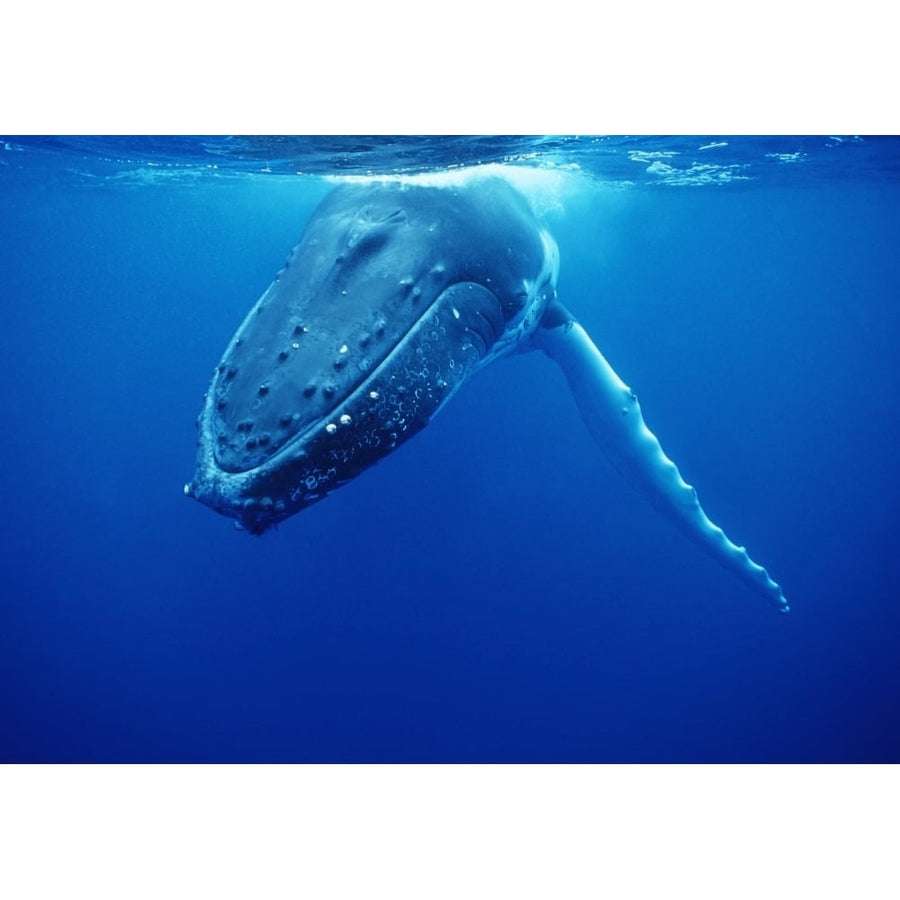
295 346
345 419
343 349
331 428
374 395
455 313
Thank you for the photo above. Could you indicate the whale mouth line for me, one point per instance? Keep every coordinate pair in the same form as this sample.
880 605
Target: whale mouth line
288 451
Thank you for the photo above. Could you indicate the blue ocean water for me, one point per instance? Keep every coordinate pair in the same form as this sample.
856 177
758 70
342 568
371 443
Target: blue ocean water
492 592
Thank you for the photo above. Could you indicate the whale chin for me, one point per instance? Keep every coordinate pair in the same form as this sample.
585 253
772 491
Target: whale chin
276 479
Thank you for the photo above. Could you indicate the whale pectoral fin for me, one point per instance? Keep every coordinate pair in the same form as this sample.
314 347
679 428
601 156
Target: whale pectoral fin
613 417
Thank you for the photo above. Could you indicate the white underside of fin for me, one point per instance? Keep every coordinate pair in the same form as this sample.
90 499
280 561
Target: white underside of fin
613 417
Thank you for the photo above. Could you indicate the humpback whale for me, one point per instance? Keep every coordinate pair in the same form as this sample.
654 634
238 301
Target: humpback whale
396 293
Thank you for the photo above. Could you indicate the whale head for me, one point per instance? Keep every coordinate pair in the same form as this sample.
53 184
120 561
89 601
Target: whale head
394 296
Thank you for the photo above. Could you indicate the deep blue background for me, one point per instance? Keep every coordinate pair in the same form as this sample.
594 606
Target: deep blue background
491 592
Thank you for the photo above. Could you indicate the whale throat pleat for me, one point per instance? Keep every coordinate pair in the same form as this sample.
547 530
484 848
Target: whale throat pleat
613 416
